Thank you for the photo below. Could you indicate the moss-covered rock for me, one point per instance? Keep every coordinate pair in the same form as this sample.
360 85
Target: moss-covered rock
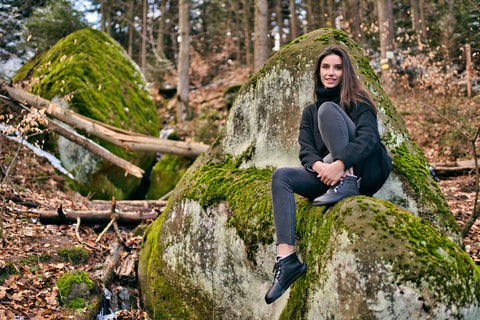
212 250
74 289
165 175
92 74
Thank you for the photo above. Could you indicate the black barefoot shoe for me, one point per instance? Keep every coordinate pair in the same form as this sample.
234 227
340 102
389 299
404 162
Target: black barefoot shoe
287 270
348 187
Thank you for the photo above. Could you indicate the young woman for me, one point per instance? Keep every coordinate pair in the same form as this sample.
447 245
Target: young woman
341 153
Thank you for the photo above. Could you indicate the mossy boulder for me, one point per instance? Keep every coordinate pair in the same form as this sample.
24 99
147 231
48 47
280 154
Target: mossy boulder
75 288
91 73
396 256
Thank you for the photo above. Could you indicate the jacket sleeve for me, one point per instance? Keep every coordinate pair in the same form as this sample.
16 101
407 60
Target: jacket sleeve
309 152
366 138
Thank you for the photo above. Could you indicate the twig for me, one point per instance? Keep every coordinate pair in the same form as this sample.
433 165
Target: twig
77 235
113 214
105 230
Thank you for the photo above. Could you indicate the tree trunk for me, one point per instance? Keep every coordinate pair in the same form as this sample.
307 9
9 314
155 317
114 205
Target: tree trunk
143 48
278 13
261 50
131 29
385 21
183 63
248 36
331 14
293 21
356 21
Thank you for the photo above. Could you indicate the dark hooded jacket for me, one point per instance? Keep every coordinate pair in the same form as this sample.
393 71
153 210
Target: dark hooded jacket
366 153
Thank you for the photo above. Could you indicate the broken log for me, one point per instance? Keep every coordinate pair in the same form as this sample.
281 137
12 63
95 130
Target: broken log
458 167
94 217
122 138
95 148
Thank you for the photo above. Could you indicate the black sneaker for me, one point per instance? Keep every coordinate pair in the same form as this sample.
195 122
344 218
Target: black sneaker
347 187
287 270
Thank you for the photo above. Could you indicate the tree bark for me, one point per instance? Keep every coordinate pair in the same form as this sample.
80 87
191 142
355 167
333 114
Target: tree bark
248 36
130 28
94 217
143 48
261 50
293 21
183 64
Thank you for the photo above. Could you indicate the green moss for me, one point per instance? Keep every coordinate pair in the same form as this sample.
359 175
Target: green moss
412 166
418 253
247 192
64 286
169 295
165 175
75 254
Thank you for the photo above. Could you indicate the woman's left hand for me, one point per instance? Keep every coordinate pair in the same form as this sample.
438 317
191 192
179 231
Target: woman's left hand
332 173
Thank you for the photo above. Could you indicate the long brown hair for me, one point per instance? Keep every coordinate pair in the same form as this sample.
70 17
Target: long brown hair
352 91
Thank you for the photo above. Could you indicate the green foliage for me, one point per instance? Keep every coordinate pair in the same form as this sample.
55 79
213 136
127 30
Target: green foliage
49 24
75 254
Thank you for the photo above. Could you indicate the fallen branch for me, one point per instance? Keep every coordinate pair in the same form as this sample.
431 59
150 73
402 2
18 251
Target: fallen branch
93 217
125 139
453 168
95 148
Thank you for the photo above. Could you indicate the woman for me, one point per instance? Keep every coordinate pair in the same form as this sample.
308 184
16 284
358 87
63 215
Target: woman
341 153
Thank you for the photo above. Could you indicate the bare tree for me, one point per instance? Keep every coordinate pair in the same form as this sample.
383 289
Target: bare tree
183 62
261 49
293 21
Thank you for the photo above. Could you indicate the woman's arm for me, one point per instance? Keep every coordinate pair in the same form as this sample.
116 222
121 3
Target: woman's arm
309 153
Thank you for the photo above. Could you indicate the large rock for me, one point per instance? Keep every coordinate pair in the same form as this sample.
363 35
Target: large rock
396 256
92 74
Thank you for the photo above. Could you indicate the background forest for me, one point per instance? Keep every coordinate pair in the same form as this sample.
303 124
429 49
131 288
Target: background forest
416 38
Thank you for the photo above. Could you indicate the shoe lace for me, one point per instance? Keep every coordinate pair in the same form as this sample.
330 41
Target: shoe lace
276 270
337 186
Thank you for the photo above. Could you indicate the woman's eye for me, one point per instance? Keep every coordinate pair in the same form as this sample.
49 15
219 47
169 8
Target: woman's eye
338 67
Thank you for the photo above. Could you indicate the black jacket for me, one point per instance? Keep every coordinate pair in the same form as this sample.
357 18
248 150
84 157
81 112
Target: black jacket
366 153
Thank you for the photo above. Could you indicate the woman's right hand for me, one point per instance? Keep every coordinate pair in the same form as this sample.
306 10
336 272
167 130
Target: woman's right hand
319 166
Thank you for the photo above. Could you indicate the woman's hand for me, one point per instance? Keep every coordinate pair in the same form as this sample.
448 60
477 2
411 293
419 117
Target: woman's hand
331 173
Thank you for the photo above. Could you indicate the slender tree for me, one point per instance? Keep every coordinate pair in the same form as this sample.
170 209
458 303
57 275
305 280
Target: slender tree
261 49
183 62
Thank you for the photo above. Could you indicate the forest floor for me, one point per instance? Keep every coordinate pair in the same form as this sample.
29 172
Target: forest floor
30 263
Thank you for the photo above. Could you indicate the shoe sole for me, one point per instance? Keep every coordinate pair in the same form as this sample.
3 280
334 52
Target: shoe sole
289 283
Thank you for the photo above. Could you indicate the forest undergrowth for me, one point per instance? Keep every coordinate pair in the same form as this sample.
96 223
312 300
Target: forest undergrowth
30 263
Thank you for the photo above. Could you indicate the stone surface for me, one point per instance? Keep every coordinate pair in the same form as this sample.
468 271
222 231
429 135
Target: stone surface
211 252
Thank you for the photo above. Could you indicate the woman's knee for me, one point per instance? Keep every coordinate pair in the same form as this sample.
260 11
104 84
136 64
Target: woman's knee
282 175
328 108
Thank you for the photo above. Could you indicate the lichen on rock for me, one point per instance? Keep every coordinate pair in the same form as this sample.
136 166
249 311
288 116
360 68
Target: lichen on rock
393 257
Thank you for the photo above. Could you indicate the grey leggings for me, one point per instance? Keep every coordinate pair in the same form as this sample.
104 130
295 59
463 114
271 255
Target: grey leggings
337 130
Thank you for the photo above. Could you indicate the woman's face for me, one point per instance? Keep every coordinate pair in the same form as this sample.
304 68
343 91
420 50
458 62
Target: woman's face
331 71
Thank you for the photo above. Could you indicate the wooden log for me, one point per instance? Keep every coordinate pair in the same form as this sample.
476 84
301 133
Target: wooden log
96 149
125 139
94 217
458 167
